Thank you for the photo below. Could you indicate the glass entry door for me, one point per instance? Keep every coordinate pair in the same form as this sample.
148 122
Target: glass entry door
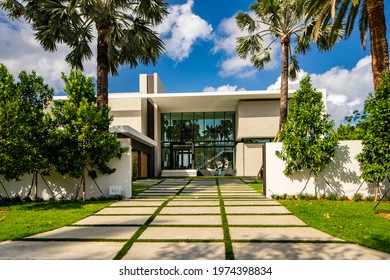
182 155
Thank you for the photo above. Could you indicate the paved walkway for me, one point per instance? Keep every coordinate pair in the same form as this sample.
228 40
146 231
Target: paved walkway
182 219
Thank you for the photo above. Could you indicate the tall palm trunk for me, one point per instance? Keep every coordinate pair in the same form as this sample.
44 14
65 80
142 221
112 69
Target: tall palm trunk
378 41
284 81
102 66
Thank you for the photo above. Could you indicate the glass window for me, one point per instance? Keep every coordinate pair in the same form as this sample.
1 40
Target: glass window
166 123
228 127
211 133
199 121
166 164
174 130
209 130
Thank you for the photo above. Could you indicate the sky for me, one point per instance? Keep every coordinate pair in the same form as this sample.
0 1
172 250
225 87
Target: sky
200 38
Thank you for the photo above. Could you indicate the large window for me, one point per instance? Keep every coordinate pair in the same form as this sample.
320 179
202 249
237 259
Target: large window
211 135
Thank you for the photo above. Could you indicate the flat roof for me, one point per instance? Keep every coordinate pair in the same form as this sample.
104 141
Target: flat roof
202 101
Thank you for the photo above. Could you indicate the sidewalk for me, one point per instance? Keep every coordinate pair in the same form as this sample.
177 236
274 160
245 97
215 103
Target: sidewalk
181 219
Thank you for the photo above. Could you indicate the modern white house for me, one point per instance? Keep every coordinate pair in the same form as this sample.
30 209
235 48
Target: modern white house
201 133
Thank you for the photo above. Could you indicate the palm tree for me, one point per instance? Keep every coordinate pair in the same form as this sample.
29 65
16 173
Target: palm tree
124 34
343 13
282 21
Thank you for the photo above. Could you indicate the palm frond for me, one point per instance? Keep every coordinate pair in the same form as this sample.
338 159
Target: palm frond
363 25
16 9
152 11
259 60
249 45
293 68
246 22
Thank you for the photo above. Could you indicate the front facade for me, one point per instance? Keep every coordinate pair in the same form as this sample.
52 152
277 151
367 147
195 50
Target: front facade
194 134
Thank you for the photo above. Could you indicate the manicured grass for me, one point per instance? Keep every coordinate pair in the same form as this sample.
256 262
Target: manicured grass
30 218
355 222
257 186
139 188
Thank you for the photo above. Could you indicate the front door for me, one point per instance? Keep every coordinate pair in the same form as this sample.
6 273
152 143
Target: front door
182 155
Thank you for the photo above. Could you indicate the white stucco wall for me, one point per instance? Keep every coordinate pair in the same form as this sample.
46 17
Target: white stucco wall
257 119
127 111
249 158
342 174
64 186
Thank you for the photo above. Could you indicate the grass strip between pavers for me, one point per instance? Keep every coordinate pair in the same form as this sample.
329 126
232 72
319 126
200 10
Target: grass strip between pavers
189 240
229 253
138 233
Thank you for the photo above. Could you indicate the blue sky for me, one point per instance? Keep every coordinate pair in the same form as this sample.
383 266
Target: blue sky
200 39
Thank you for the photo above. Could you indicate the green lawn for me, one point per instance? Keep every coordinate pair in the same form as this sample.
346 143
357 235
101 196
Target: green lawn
30 218
356 222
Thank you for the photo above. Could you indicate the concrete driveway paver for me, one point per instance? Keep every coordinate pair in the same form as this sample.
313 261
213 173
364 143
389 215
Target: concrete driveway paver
88 232
264 220
305 251
137 202
256 210
183 233
190 203
59 250
229 202
280 234
176 251
127 211
114 220
191 210
188 220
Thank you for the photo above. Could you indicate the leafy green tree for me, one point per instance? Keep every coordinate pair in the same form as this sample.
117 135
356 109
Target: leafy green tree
24 129
308 136
354 127
81 147
124 34
12 145
375 157
343 15
282 21
36 97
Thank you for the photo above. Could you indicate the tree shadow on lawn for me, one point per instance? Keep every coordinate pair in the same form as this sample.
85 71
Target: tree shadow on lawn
62 205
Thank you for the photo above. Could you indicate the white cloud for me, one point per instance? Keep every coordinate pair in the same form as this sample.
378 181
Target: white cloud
182 29
346 89
225 41
223 88
20 51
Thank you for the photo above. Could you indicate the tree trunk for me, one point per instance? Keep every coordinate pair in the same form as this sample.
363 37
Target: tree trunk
284 81
36 186
84 185
102 66
378 41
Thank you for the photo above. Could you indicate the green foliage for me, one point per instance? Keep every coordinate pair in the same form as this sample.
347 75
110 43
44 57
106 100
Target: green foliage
129 37
308 136
375 157
24 128
354 127
357 197
81 138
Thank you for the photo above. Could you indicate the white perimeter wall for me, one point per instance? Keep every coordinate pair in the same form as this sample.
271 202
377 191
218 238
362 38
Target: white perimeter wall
64 186
342 174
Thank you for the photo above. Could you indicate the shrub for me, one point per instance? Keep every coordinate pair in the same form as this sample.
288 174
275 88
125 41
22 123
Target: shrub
332 196
343 198
370 198
357 197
